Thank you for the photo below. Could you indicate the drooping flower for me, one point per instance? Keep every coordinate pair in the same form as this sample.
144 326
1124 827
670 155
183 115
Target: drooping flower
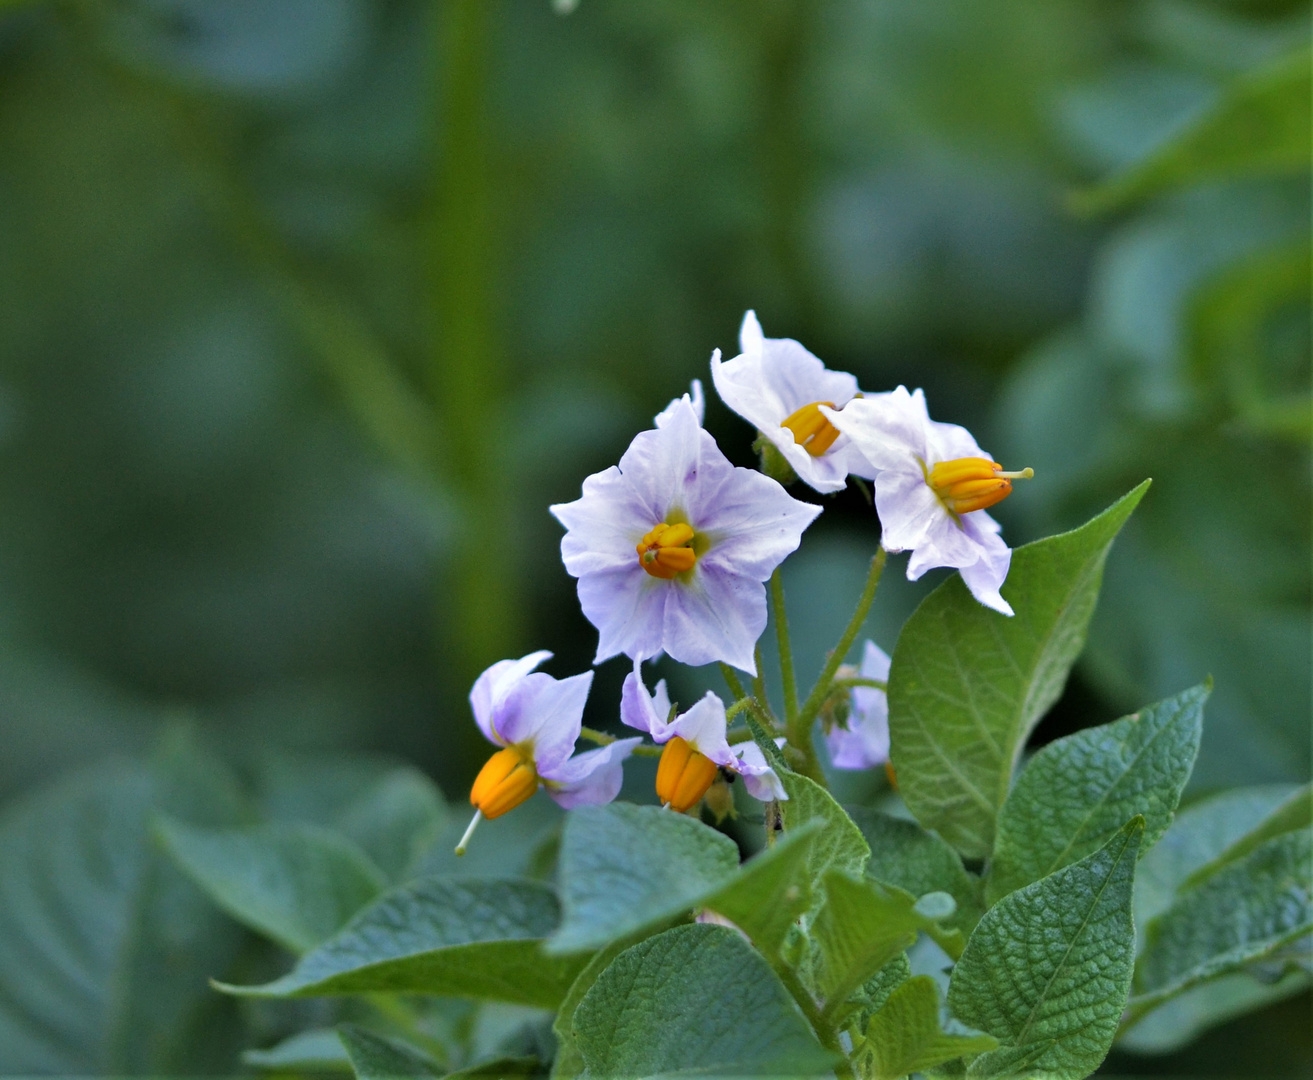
696 748
536 720
864 742
671 547
777 385
931 489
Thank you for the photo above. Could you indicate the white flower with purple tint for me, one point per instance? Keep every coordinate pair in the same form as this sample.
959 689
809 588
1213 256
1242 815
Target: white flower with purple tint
696 745
672 546
864 742
536 720
931 489
778 386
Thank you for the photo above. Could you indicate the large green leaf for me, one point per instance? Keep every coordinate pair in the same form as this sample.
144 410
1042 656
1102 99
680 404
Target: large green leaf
396 820
376 1057
967 685
905 1036
1048 968
840 844
1245 912
479 939
297 884
1295 813
695 1000
771 891
1199 835
569 1062
105 948
860 928
1260 127
624 867
906 855
315 1050
1079 790
1182 1017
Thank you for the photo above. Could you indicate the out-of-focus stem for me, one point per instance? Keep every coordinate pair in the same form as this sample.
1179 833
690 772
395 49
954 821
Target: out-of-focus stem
479 603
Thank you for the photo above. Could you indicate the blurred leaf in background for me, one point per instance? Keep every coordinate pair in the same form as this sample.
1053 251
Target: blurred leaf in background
241 478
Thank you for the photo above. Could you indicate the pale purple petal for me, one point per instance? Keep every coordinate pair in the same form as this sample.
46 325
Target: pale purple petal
628 608
907 506
753 525
605 525
986 576
717 616
759 778
494 684
889 430
664 465
644 711
865 742
694 398
591 778
546 713
750 336
703 728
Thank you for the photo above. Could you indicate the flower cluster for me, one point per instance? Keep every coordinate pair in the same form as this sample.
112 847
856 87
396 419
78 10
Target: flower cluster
672 547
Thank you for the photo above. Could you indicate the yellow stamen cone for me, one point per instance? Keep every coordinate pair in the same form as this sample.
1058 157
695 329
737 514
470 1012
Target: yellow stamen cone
811 430
967 484
507 780
684 775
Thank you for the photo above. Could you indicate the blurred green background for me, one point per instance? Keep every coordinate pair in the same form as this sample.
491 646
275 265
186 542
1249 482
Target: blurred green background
309 308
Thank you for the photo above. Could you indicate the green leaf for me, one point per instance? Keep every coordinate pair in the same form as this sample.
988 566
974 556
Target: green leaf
695 1000
868 1000
906 855
396 821
839 845
479 939
374 1057
105 948
1201 832
861 927
771 891
1078 791
968 685
1243 913
569 1062
297 884
1260 127
905 1036
1048 968
625 867
1295 813
500 1069
316 1050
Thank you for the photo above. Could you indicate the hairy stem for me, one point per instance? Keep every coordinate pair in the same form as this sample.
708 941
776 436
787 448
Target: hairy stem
603 739
787 674
812 706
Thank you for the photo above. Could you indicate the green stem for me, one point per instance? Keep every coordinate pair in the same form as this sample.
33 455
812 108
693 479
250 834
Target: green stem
787 674
812 706
603 739
733 681
859 680
737 708
759 687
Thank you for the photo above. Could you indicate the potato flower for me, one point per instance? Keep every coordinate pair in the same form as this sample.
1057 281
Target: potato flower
864 742
778 386
536 720
696 748
932 485
672 546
